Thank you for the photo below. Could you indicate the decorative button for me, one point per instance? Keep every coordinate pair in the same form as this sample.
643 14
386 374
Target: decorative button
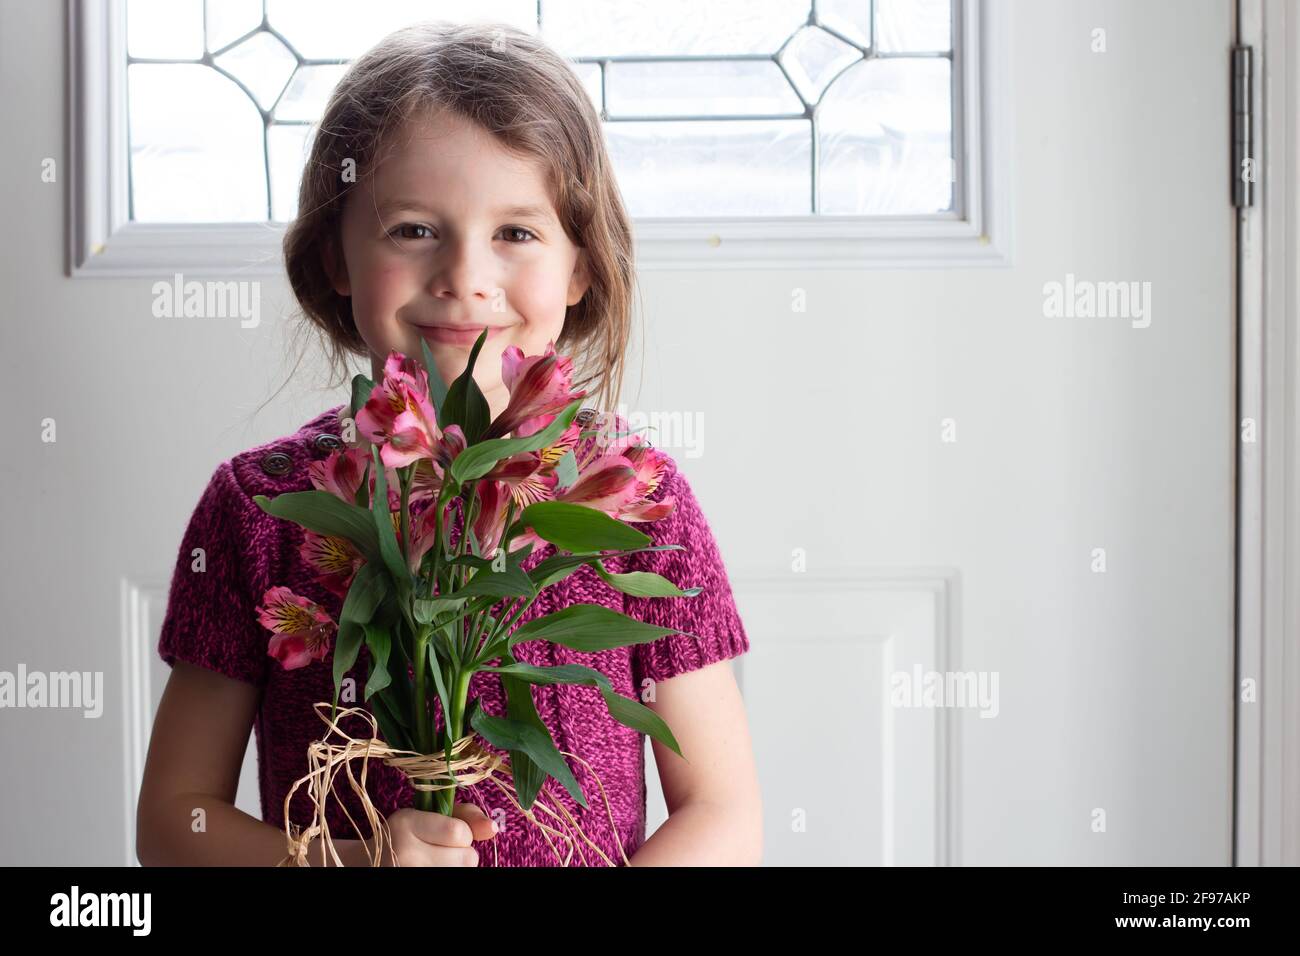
585 415
277 463
327 443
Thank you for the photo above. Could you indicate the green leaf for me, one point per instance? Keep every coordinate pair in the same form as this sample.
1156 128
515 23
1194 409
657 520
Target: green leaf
387 538
365 594
588 627
477 460
346 647
400 692
638 716
514 735
362 497
437 387
394 732
643 583
512 582
527 776
465 405
362 386
435 668
428 609
626 711
566 469
323 513
378 641
579 528
559 566
559 674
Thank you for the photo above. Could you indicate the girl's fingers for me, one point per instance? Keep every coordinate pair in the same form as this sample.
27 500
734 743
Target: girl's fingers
479 821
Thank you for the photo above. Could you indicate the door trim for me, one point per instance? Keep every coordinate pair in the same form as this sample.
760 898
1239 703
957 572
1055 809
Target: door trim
1266 814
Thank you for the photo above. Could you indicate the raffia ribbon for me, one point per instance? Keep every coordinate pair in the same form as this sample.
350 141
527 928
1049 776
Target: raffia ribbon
470 762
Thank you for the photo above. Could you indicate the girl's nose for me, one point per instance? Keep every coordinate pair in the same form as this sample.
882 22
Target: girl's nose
463 272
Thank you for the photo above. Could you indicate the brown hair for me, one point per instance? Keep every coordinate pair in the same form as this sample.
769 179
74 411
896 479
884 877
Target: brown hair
516 87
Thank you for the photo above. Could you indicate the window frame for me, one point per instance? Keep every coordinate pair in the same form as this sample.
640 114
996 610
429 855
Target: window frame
102 241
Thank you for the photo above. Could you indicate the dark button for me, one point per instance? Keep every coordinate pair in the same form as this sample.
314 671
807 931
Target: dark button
327 443
585 415
277 463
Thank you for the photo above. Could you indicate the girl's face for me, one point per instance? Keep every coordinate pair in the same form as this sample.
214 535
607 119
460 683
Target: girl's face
451 235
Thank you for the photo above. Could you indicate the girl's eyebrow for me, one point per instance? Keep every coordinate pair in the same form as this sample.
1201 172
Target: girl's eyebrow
527 211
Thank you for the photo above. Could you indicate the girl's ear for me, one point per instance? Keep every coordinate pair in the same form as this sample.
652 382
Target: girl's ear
334 268
580 281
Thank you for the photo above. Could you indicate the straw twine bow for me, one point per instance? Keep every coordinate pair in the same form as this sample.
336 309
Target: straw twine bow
470 762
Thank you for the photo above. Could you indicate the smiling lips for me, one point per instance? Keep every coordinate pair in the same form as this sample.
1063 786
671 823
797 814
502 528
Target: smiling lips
464 336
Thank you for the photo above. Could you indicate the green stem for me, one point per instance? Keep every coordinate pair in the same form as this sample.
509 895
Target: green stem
452 731
404 478
423 798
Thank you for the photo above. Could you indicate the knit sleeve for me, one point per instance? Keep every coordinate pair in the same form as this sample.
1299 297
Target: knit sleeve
710 624
211 617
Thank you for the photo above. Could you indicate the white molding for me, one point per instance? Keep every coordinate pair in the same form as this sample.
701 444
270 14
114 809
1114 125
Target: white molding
137 650
1267 791
944 586
103 242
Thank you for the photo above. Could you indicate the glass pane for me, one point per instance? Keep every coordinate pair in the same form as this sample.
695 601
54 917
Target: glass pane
602 28
165 29
736 168
228 20
308 91
850 17
814 58
914 26
341 29
589 73
288 147
886 138
709 87
196 147
263 64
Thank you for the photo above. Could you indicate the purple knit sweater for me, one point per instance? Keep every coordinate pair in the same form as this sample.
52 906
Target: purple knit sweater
210 621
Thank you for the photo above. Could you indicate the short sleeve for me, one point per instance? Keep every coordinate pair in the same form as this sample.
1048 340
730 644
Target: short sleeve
709 623
211 618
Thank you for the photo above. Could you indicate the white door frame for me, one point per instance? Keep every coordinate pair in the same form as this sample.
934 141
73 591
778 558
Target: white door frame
1267 730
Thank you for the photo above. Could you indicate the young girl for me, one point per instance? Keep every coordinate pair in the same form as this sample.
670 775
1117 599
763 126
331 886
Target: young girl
458 180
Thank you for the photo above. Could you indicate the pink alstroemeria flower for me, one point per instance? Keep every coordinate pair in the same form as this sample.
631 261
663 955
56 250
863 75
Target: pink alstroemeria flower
335 560
607 483
398 416
489 525
423 536
539 386
303 631
649 466
340 475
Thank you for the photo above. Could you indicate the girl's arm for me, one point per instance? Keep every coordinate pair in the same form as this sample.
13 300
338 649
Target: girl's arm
714 804
199 737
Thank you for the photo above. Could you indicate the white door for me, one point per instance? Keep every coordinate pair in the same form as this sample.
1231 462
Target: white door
1041 506
928 474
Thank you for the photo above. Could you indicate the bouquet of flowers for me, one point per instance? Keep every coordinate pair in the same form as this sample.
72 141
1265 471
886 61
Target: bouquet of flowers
433 607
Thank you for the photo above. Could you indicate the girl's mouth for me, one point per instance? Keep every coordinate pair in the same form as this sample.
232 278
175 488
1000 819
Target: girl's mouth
464 336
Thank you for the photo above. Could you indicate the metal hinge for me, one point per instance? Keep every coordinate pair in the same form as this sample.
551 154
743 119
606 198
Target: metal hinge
1245 165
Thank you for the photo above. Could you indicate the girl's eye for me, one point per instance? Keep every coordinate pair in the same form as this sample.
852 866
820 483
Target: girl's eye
409 225
401 233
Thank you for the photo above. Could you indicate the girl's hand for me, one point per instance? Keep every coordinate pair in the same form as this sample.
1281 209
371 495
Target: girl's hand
428 838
